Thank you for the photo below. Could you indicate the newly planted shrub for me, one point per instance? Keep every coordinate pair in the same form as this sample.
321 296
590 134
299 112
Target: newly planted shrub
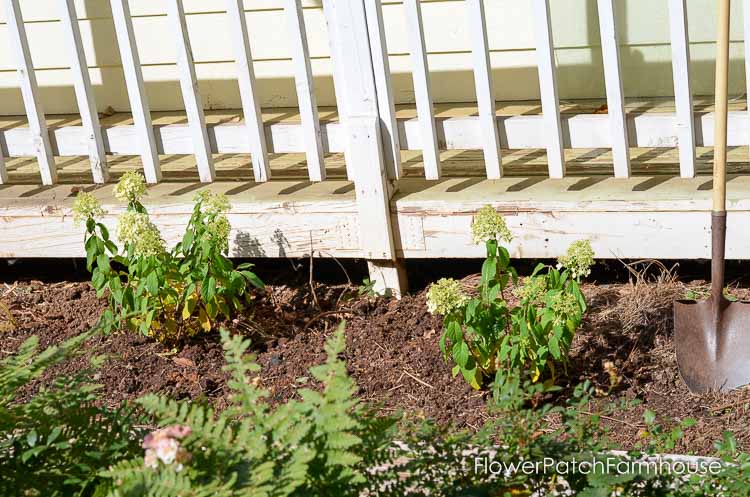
167 294
485 334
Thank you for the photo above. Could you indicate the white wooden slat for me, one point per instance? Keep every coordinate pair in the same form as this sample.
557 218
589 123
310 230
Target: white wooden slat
384 87
746 29
548 88
3 169
248 93
308 107
30 93
334 45
84 91
485 90
613 82
422 90
131 66
678 27
190 93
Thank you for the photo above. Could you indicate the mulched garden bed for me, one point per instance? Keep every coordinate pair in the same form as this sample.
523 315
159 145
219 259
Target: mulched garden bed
392 353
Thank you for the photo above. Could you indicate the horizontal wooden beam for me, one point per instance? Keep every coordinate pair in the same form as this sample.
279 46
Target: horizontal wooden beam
668 220
456 133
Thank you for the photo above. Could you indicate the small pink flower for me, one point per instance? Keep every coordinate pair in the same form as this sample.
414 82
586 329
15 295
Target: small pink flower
150 460
163 445
177 431
166 450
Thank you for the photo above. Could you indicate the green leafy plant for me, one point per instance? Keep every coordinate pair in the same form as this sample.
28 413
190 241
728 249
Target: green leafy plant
705 293
657 438
54 441
167 294
367 288
321 445
484 335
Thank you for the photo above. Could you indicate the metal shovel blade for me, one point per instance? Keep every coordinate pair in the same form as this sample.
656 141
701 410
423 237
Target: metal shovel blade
712 340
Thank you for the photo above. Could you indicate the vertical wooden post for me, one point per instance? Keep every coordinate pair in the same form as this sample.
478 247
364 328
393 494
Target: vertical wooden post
30 93
373 189
334 46
84 91
386 105
678 27
548 88
303 78
191 94
3 169
422 89
746 30
485 90
248 93
131 67
613 82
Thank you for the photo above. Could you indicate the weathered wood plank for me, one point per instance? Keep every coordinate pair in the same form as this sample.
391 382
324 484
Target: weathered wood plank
190 92
303 78
30 92
678 26
131 66
665 221
84 91
422 89
373 190
485 90
548 88
613 83
461 133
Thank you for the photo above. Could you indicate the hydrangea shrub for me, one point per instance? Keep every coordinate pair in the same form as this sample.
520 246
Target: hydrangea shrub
165 293
486 336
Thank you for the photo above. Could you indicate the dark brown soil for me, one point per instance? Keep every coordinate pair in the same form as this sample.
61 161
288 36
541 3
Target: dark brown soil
392 353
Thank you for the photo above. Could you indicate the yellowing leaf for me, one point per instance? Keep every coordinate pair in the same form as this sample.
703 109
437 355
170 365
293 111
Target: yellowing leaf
537 374
204 321
187 311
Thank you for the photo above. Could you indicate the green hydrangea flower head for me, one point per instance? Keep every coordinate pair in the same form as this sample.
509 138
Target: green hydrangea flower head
445 296
564 305
86 206
136 229
213 203
131 187
218 232
533 289
578 259
490 225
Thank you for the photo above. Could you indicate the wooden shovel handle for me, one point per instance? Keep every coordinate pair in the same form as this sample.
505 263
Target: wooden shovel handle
720 108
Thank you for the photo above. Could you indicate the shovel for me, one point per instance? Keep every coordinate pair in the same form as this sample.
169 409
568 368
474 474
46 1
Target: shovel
712 337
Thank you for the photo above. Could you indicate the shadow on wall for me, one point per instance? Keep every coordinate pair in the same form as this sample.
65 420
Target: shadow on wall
641 77
246 245
581 81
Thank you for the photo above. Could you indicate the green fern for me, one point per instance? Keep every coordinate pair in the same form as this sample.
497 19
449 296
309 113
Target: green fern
307 447
56 442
